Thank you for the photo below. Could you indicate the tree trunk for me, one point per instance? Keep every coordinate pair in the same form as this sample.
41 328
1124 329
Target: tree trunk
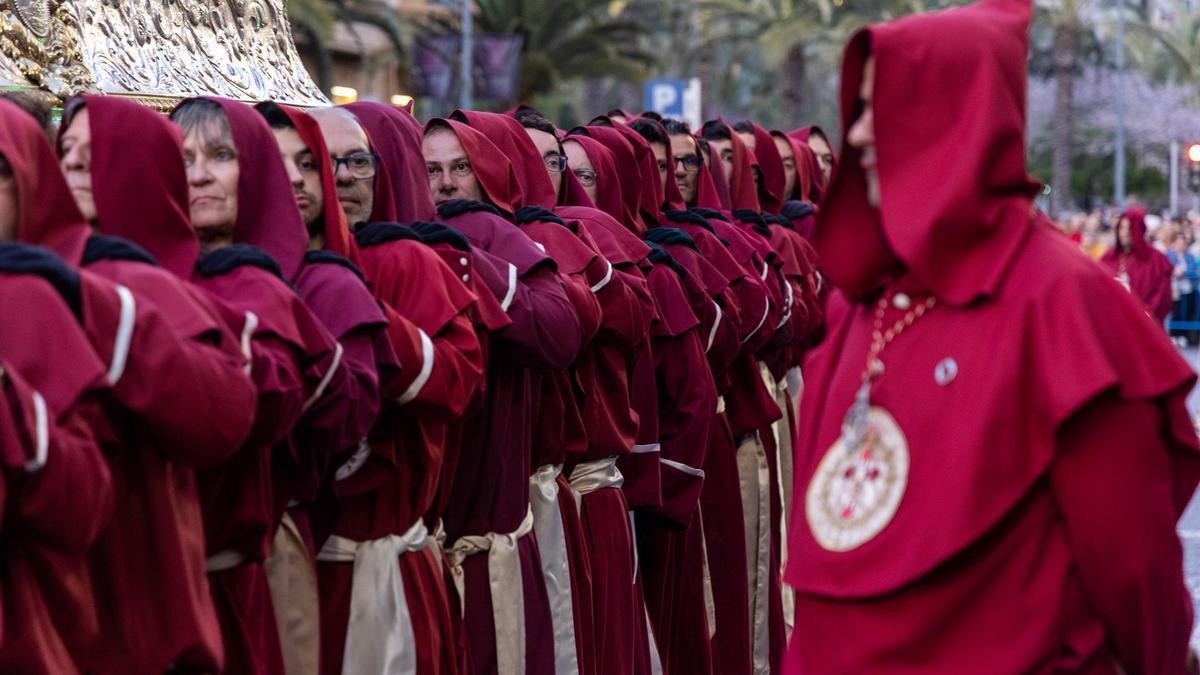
793 76
1066 46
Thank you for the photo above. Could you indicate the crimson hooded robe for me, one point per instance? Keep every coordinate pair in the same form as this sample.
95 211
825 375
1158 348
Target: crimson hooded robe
545 337
167 418
389 486
290 356
1031 428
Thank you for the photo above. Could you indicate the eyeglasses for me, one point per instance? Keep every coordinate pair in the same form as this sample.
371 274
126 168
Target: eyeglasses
586 176
360 165
556 163
691 163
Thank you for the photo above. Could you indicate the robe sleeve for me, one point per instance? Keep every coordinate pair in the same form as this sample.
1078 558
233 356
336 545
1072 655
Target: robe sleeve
1159 301
1113 485
687 411
544 332
628 309
60 487
188 393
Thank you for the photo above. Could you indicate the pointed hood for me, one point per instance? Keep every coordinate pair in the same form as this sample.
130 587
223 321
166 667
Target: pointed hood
492 167
626 165
49 216
401 184
712 192
138 179
267 215
509 136
338 238
608 186
770 165
949 109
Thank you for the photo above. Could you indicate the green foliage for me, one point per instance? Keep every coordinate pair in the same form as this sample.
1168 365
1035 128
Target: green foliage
564 40
316 16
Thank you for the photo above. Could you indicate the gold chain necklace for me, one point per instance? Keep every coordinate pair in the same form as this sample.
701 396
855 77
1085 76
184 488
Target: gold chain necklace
854 428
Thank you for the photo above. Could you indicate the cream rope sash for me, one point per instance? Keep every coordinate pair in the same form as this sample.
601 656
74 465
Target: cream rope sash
556 568
507 587
379 638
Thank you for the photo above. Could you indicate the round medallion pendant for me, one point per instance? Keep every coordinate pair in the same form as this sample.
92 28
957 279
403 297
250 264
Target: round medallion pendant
855 492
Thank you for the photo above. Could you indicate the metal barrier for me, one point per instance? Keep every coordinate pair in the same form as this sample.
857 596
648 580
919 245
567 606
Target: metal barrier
1185 315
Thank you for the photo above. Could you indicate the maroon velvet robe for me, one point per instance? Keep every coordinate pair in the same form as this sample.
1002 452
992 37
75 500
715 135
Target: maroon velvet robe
545 334
389 489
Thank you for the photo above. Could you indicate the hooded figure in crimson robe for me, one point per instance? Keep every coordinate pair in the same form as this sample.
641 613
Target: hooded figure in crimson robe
992 482
1140 267
596 385
384 593
477 190
184 401
57 490
334 288
240 202
818 141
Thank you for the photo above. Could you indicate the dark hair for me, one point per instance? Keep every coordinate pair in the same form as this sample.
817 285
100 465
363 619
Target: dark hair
744 127
438 124
714 130
600 121
652 115
651 131
676 127
36 106
818 131
275 115
704 148
532 119
199 113
617 112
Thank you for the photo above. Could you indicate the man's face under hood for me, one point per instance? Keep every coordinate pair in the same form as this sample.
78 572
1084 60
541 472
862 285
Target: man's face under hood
862 133
345 139
450 173
548 147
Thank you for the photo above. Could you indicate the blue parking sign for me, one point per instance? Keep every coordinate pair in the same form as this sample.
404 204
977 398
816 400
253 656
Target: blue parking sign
665 97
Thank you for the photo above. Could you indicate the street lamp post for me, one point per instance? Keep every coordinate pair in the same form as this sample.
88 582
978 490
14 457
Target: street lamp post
1119 156
466 73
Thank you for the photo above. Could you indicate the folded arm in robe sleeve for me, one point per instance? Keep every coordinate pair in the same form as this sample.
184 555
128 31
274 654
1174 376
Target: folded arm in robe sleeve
1112 483
188 392
430 329
60 487
545 330
687 409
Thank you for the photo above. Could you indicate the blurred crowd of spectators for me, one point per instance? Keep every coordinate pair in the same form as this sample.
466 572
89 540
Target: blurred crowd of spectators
1178 237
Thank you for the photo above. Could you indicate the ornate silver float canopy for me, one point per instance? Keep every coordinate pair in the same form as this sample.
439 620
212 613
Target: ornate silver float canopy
155 51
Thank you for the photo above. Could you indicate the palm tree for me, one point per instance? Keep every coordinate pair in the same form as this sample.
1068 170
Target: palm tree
564 40
1067 27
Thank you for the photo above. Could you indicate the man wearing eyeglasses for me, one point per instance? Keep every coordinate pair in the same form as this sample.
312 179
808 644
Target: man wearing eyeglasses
354 165
686 156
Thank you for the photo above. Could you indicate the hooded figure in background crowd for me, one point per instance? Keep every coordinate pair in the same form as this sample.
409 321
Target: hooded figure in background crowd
983 389
1140 267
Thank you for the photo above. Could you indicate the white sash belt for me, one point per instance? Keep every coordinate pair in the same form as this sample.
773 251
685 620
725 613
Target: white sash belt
379 638
507 587
225 560
589 477
556 568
